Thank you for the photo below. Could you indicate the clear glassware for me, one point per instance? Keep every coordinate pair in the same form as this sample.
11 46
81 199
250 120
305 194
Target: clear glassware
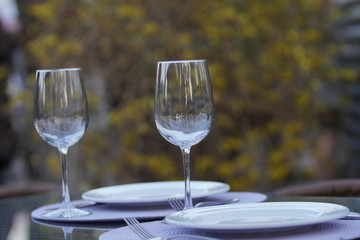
61 118
184 108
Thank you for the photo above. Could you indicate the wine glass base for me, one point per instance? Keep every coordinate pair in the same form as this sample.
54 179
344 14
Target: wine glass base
66 213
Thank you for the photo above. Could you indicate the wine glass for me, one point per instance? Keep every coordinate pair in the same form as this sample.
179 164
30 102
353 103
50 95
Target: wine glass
184 108
61 118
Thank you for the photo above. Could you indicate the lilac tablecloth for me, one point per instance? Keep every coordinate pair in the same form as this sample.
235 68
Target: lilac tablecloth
334 230
113 212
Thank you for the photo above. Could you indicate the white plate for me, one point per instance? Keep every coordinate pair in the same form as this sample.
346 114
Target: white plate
152 193
257 217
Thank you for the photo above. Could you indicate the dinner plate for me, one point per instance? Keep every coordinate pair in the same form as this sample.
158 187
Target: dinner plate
257 217
152 193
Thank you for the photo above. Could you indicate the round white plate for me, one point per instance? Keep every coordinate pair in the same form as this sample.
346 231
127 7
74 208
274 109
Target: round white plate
255 217
152 193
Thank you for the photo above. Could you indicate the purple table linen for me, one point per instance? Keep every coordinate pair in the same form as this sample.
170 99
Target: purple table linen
333 230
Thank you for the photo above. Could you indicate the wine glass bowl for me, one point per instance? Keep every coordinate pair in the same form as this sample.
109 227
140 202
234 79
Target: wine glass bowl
61 132
184 130
61 118
184 107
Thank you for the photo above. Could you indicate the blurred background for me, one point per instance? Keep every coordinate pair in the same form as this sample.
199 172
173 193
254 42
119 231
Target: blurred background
284 74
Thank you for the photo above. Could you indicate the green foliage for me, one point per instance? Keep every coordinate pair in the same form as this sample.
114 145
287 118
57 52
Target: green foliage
268 60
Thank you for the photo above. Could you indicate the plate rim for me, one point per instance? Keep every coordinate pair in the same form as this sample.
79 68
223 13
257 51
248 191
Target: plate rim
233 228
85 195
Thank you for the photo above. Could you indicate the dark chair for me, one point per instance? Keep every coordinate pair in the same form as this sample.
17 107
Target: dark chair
15 190
336 187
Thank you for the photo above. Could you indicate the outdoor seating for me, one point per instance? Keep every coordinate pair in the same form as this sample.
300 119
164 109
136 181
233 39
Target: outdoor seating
335 187
15 190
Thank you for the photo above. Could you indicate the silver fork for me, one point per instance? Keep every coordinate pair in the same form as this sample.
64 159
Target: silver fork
178 204
144 234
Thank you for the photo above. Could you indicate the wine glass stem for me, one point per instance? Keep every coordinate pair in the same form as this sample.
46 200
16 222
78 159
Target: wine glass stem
186 162
65 185
67 233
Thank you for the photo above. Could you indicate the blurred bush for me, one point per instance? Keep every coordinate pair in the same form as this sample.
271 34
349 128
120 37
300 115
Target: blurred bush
269 62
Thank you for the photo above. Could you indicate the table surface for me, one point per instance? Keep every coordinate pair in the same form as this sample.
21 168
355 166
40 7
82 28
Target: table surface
16 222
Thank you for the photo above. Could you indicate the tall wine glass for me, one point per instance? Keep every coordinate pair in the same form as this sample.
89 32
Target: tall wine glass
61 118
184 108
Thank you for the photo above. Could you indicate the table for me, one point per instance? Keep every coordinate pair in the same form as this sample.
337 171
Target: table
16 221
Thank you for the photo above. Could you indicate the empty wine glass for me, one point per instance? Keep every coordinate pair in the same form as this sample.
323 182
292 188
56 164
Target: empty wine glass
184 108
61 118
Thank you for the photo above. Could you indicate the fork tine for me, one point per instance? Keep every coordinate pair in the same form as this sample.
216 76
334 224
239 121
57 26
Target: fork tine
180 203
134 229
141 229
136 226
173 204
176 203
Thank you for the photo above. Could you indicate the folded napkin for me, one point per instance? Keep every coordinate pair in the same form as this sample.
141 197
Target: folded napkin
334 230
117 212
